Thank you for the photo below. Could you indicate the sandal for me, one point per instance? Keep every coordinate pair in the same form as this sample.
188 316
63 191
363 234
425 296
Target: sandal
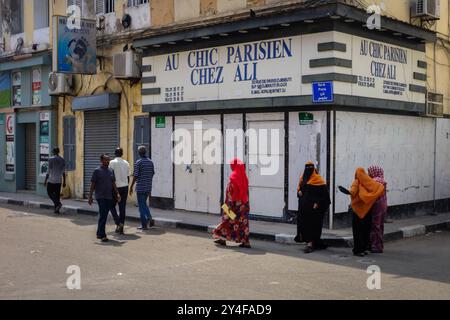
308 249
220 242
245 245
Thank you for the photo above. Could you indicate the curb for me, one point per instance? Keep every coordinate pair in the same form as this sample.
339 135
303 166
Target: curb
329 240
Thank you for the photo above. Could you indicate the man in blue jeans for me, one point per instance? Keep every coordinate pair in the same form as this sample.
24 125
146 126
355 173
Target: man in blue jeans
144 171
103 182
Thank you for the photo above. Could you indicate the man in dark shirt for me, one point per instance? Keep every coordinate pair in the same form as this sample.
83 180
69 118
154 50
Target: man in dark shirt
104 184
143 176
56 173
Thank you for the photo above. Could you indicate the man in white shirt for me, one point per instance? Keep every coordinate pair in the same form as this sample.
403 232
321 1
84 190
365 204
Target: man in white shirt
122 173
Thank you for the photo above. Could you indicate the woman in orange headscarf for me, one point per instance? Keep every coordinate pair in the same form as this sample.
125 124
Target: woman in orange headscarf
313 202
235 228
364 192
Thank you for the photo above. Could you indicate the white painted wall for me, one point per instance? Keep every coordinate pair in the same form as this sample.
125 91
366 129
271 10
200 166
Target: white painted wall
402 145
41 36
443 159
140 16
232 121
303 147
161 145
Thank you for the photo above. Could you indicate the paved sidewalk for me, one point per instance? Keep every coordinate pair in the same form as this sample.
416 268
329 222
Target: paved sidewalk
271 231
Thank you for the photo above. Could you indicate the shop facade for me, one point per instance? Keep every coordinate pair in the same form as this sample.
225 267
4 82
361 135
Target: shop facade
27 124
331 92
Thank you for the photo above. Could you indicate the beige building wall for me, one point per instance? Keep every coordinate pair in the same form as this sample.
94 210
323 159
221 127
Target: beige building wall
186 9
130 107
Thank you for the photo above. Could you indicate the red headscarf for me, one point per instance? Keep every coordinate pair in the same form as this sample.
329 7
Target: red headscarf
239 180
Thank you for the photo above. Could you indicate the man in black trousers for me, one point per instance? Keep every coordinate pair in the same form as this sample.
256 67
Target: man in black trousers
56 173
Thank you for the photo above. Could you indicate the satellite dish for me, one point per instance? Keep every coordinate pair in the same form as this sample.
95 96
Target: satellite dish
126 21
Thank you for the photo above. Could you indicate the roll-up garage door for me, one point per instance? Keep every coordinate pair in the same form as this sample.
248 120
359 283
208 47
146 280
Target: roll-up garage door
101 135
30 157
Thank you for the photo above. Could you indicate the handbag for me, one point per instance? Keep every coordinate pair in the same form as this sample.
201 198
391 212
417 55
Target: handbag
228 211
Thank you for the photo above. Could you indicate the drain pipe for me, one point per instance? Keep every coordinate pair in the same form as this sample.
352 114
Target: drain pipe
435 133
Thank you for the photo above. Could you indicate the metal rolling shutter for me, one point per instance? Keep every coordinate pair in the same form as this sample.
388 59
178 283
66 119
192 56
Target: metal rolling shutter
30 157
101 135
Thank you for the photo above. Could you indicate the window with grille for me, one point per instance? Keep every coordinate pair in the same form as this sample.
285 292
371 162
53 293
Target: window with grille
104 6
69 142
132 3
17 22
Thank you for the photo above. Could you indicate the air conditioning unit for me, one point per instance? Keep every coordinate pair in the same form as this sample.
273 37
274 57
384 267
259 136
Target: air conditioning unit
435 105
127 65
426 9
60 84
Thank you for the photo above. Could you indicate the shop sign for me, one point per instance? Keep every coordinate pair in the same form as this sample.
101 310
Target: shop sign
10 156
76 48
17 88
275 67
385 71
267 68
160 122
323 92
44 132
5 90
305 118
36 87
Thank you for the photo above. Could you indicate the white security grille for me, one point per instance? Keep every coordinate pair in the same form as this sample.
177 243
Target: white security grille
104 6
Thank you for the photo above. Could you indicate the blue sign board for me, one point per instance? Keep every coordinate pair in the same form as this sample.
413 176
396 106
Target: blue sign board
323 92
76 49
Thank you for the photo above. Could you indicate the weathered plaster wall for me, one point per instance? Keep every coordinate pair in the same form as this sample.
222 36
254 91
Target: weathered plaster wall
443 159
130 106
306 143
403 146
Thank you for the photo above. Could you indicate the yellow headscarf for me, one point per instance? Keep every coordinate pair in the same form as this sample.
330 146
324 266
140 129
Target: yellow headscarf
364 193
314 180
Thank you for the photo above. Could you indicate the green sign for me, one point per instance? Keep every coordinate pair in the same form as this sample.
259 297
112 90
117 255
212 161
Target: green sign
160 122
305 118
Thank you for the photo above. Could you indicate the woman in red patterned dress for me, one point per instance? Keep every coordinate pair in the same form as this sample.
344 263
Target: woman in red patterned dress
237 201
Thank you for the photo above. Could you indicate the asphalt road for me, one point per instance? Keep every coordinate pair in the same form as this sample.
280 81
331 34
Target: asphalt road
37 247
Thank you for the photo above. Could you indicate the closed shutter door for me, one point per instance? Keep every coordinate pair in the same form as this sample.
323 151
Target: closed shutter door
101 135
30 157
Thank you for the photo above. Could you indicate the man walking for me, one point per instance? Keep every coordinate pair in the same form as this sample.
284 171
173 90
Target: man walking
121 169
104 184
144 171
56 173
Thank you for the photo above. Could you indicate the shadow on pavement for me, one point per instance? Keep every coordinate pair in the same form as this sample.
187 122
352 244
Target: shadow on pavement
425 257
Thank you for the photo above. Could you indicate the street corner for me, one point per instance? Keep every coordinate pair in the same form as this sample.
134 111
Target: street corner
413 231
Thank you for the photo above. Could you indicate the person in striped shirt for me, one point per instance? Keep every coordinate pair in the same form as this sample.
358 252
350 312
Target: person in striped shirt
144 171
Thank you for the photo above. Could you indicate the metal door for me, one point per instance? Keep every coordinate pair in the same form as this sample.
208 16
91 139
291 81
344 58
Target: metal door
101 135
197 185
265 166
30 156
